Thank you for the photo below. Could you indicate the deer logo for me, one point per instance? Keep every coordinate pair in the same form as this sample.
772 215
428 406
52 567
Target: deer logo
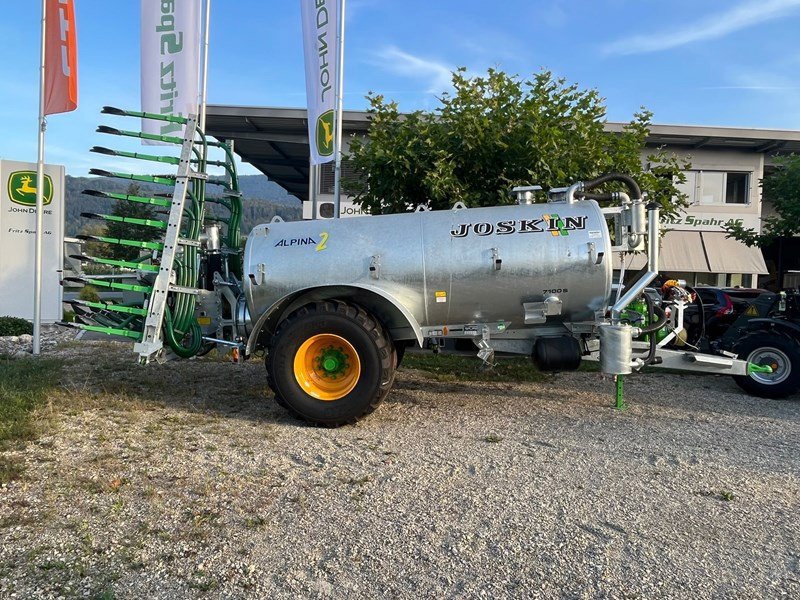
26 188
325 134
22 188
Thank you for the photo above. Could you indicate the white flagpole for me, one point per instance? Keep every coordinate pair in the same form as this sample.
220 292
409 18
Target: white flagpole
37 276
337 180
204 80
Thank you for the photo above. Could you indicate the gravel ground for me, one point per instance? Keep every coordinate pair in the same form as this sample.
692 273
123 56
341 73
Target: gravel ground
20 346
183 480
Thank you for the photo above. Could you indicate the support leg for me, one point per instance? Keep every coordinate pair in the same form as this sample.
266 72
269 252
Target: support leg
619 395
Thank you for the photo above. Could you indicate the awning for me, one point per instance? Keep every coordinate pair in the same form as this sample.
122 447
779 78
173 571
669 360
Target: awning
682 251
726 255
700 252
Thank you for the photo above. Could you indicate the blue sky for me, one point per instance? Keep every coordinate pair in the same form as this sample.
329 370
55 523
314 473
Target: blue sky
710 62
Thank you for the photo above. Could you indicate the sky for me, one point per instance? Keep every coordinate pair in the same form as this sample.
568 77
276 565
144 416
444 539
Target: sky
706 62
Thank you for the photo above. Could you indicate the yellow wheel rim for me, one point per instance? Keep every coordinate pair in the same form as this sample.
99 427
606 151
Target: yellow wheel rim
326 366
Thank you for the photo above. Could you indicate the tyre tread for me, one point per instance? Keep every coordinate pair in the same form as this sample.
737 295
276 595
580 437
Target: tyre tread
373 328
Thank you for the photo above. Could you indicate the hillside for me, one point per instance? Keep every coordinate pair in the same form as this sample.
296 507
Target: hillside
262 198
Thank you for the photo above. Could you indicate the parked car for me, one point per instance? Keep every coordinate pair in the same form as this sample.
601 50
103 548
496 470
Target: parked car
718 311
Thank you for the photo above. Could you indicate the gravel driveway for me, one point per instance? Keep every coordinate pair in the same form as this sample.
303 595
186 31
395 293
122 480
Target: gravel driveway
183 480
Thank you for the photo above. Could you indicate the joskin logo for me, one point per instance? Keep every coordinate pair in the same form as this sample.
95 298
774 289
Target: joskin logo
325 133
22 188
552 223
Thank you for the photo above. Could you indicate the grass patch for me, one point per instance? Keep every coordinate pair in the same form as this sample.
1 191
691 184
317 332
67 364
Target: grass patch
24 384
456 367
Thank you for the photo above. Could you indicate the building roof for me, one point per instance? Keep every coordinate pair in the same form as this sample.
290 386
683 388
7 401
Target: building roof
275 140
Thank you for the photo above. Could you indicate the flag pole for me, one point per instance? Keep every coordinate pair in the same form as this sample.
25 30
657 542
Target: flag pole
204 80
37 276
337 181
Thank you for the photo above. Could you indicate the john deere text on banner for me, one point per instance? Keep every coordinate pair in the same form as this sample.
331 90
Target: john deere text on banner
170 52
61 58
320 18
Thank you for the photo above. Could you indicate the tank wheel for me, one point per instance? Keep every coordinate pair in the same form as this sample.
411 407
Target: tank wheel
278 400
779 352
400 351
330 363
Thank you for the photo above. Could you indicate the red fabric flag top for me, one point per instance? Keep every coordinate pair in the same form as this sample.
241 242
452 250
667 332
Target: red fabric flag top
61 58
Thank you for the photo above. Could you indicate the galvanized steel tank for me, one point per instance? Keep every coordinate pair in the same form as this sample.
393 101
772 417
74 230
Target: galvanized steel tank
445 267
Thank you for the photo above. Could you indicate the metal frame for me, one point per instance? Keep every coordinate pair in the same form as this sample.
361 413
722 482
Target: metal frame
156 305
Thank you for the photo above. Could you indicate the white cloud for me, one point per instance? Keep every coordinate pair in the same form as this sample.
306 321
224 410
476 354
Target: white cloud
435 75
744 15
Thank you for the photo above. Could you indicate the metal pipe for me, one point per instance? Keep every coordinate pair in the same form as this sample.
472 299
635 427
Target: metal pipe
337 180
652 264
312 190
204 75
571 191
37 270
221 342
653 236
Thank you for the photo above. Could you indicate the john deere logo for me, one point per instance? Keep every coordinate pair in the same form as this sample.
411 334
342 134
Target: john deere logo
22 188
325 134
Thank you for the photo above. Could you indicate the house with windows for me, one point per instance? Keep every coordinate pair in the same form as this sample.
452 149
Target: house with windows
722 185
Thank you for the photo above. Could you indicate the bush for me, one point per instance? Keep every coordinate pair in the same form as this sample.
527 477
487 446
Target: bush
89 294
15 326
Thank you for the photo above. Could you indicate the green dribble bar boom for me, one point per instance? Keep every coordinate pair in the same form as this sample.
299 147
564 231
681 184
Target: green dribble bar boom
169 270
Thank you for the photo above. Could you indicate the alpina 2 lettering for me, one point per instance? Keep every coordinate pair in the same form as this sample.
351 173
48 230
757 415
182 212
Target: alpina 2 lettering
285 243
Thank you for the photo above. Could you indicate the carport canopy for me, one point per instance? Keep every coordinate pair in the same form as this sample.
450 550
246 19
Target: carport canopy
274 140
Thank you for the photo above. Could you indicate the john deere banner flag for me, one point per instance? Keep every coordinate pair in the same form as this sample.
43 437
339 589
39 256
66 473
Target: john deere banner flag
61 58
170 61
320 18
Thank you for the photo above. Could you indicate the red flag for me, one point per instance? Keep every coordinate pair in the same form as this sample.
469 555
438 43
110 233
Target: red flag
61 58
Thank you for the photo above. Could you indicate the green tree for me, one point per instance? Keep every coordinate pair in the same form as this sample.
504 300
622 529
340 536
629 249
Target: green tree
94 248
493 133
781 188
128 231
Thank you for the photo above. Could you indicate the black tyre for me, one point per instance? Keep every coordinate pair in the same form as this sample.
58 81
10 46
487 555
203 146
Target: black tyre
400 351
779 352
278 400
330 363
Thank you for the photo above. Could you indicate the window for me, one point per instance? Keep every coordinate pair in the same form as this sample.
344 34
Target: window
716 187
736 188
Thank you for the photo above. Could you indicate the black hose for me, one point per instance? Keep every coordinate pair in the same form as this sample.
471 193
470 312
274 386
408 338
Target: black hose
662 319
699 301
593 196
651 313
629 181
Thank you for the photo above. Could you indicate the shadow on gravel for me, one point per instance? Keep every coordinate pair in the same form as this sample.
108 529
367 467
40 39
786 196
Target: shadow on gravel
106 374
103 374
710 395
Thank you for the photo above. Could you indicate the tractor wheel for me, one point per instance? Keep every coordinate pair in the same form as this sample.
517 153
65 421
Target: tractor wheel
779 352
330 363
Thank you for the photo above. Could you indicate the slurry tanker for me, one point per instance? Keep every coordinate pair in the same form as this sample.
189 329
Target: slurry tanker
333 304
